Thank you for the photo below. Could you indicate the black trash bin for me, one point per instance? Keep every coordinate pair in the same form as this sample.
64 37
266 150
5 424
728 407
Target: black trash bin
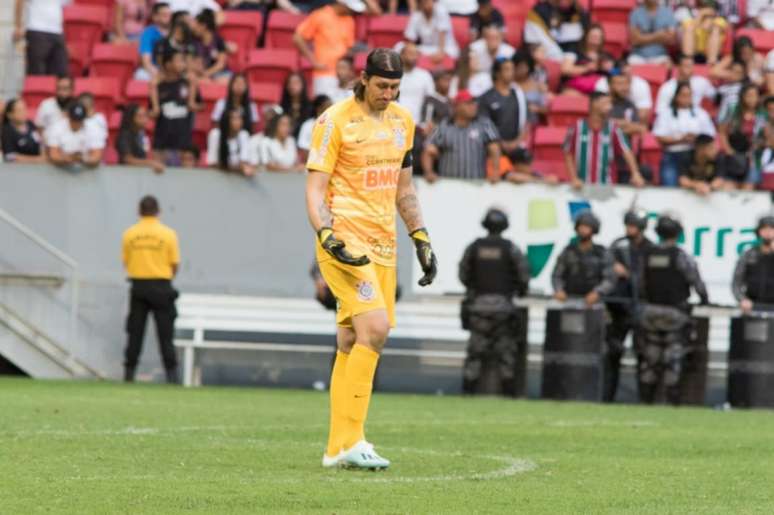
573 354
751 361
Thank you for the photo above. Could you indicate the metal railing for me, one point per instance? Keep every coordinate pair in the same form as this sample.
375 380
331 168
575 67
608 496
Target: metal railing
60 256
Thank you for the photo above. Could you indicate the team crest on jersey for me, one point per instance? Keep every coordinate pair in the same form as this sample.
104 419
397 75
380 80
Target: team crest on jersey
399 137
366 291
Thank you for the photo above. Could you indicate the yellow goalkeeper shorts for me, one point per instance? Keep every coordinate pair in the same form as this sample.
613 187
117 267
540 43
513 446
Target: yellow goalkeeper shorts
359 289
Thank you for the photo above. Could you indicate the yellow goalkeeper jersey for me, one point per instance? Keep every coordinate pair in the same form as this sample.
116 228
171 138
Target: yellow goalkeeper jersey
364 157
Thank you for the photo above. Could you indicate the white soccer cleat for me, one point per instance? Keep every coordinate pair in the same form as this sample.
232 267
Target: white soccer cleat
363 456
330 462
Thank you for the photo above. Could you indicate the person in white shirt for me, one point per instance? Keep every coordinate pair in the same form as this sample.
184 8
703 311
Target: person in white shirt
639 90
431 28
320 104
761 12
701 87
46 48
345 74
676 129
70 144
416 84
96 123
277 149
483 53
52 109
238 97
460 7
228 146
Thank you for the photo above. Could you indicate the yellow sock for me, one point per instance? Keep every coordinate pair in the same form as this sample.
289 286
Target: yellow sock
338 394
361 367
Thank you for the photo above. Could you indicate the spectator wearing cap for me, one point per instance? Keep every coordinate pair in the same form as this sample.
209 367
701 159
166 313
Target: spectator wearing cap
651 33
556 25
462 144
593 144
416 84
70 143
161 17
53 109
703 35
639 92
506 105
46 48
483 53
430 27
21 141
486 14
331 29
677 129
701 87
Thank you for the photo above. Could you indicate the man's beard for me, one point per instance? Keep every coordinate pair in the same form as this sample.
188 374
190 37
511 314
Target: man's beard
62 102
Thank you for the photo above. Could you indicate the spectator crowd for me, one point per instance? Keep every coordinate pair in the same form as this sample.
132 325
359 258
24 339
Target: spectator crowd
671 92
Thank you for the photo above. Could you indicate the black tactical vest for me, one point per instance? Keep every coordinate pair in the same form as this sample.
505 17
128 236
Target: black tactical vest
759 279
493 268
585 270
665 283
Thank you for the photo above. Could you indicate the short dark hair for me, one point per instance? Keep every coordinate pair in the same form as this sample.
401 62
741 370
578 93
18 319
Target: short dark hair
319 101
596 95
379 58
523 56
66 77
497 66
149 206
169 55
157 7
703 140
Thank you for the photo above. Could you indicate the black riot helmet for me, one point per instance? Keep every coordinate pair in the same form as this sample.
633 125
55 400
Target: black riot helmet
495 221
764 221
586 217
638 219
668 227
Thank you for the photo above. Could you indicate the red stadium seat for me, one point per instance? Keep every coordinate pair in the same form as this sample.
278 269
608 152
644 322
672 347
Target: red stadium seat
106 90
280 29
38 88
615 11
110 156
655 74
387 30
616 38
79 57
110 6
547 143
361 27
767 182
461 29
554 72
360 61
763 40
138 92
110 60
514 29
242 28
650 154
565 110
202 125
210 93
114 125
266 93
84 23
271 65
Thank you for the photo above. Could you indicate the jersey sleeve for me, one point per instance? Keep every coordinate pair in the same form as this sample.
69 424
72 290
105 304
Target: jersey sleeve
308 27
326 143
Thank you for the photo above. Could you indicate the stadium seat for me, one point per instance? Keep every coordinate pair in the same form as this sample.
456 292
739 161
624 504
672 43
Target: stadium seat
110 60
763 40
426 62
360 61
461 29
138 92
650 154
767 182
110 6
106 91
110 156
38 88
387 30
361 27
655 74
270 65
84 23
210 93
242 28
266 93
554 73
565 110
280 29
616 38
547 143
114 125
615 11
78 55
202 125
515 30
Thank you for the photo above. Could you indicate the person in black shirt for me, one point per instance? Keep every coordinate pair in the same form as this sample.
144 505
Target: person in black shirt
703 172
487 14
132 144
506 105
210 48
180 39
20 138
173 102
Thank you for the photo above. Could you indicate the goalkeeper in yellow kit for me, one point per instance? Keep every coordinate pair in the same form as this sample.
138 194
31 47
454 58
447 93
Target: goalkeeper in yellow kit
359 176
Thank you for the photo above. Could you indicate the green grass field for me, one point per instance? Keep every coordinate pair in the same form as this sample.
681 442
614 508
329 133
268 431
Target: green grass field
70 447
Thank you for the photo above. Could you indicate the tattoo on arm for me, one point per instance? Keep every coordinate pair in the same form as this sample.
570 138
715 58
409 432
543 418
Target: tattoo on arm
324 212
408 207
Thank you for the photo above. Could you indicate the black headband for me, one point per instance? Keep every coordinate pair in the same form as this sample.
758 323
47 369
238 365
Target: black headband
373 71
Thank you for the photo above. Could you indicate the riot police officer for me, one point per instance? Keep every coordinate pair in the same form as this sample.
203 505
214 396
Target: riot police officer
667 277
492 269
583 269
754 274
627 252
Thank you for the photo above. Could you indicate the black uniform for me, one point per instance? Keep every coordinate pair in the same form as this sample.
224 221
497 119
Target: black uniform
492 269
667 277
578 272
174 127
623 314
754 278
